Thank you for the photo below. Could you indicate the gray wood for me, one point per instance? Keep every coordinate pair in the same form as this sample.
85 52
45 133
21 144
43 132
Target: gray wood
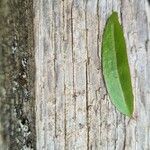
73 110
68 107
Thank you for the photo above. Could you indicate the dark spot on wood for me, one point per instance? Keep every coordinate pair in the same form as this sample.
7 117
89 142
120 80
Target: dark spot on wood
24 121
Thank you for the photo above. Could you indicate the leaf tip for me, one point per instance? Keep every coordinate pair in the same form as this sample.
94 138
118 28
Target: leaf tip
114 14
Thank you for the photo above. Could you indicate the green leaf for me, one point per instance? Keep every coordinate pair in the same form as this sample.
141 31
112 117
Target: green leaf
115 66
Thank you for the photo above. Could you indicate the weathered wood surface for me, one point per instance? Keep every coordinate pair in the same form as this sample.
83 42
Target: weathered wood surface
73 110
17 117
72 107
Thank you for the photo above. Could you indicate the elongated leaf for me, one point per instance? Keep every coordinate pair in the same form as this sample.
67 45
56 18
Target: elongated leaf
115 66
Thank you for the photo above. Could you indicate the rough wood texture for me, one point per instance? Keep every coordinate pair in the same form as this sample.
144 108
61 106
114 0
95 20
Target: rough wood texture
73 110
17 117
72 107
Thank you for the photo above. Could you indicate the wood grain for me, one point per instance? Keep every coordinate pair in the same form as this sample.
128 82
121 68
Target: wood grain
71 106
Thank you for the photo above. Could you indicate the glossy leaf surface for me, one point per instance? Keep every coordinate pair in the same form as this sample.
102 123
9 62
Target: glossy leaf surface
115 66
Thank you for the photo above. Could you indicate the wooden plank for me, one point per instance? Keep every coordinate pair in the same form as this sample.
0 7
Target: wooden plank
84 116
72 108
